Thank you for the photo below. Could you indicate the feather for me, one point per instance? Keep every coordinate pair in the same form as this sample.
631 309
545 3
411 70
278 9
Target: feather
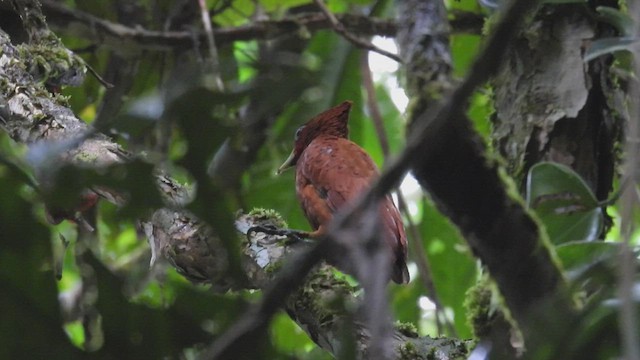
331 171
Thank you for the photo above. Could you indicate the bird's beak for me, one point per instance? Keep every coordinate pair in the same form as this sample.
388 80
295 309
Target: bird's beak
287 163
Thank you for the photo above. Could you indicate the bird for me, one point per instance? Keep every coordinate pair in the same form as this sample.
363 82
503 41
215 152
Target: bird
332 171
87 200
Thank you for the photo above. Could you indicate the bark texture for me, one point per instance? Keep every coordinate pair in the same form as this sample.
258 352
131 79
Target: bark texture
552 106
470 188
423 38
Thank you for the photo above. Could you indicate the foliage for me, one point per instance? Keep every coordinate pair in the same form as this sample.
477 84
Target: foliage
172 117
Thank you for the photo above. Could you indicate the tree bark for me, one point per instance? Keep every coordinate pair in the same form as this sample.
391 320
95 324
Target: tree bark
552 106
470 187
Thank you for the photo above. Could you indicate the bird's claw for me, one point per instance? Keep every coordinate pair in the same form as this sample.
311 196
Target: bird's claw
293 236
265 229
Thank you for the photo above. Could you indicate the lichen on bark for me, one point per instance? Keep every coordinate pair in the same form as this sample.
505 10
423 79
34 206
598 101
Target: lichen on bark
552 106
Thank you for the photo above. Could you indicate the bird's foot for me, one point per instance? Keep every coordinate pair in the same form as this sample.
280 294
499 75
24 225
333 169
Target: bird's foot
293 236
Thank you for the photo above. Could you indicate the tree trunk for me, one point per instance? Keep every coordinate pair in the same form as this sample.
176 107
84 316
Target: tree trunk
552 106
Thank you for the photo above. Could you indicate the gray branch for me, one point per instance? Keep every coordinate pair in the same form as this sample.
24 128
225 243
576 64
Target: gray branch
124 39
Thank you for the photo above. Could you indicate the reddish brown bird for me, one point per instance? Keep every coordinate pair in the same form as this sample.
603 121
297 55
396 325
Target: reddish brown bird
331 170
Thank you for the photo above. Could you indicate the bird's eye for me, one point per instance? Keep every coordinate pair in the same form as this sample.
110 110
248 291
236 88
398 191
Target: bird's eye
298 132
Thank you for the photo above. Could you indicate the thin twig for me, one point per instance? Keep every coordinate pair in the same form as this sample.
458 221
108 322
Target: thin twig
374 109
100 79
424 268
340 29
126 39
211 44
114 35
416 240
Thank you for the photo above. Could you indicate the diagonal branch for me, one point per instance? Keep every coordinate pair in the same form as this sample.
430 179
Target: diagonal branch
446 153
419 252
340 29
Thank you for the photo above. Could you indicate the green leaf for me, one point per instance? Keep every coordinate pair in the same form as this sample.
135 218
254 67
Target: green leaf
445 246
141 117
394 124
609 45
133 180
31 324
579 254
464 5
464 48
564 203
138 331
480 109
202 115
287 336
622 21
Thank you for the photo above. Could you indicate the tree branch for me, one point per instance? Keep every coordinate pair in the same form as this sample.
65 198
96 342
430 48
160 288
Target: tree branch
419 253
310 306
450 162
125 39
340 29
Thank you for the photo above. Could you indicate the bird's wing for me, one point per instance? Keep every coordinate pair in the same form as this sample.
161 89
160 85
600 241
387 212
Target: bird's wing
331 172
396 238
334 171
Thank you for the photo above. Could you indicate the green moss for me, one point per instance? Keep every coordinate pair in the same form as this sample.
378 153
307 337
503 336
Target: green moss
407 329
623 6
485 307
50 64
39 116
431 355
86 157
408 350
489 23
324 296
274 217
272 268
478 308
61 99
463 349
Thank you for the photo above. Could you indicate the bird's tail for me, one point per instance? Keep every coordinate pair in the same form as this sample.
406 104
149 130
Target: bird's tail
400 273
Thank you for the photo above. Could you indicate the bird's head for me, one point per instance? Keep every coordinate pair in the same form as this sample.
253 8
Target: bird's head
332 122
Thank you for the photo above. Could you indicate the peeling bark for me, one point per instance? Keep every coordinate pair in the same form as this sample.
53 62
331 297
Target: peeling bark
551 106
469 187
